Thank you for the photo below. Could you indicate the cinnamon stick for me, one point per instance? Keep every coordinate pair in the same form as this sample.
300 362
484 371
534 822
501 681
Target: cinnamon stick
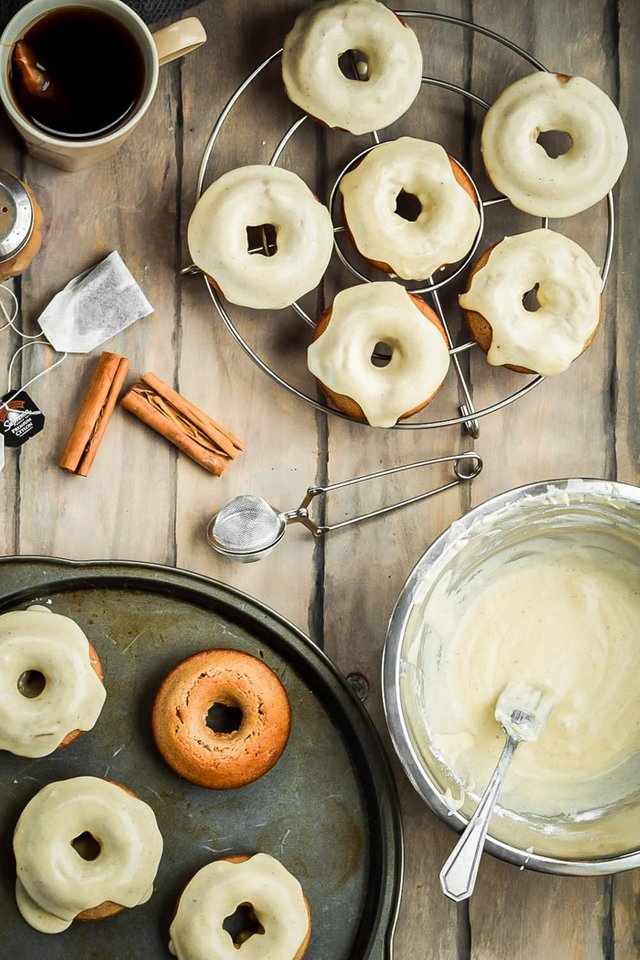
182 423
95 412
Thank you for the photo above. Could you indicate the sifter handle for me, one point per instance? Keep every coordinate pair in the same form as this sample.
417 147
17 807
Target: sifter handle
474 466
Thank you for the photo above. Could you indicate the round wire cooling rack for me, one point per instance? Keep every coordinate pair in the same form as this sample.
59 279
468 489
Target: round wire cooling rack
469 414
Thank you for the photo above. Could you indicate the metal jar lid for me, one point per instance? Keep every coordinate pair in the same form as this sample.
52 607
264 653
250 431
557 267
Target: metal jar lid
16 216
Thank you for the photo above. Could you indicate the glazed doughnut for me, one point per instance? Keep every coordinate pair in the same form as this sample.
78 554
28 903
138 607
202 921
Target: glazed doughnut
256 196
55 882
227 759
568 289
446 225
520 167
344 341
37 642
313 78
219 888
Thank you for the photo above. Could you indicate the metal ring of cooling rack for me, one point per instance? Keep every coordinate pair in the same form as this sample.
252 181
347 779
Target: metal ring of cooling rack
469 415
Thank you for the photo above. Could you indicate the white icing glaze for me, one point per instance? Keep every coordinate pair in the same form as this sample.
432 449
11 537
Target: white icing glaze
521 168
250 197
218 889
548 339
559 614
363 316
39 640
54 883
314 81
446 226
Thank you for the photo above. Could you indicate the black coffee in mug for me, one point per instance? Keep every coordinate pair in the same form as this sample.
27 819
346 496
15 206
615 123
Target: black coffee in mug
77 73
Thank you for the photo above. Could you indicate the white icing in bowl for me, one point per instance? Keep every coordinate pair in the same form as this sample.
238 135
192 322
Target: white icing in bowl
574 799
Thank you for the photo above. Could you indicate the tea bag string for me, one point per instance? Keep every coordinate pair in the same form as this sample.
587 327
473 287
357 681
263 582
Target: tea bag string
42 373
10 317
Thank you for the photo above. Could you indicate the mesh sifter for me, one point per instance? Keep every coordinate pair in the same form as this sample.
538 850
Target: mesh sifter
247 528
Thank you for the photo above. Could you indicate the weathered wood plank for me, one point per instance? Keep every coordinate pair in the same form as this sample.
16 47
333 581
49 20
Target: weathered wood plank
366 565
11 160
144 501
624 930
533 915
625 383
528 915
282 446
125 507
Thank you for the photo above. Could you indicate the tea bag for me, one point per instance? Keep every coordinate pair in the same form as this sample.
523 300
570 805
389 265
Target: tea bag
20 417
33 75
93 307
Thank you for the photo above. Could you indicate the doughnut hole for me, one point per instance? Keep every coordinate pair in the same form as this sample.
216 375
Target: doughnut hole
86 846
408 206
354 65
530 299
262 239
242 924
224 717
555 143
31 683
382 353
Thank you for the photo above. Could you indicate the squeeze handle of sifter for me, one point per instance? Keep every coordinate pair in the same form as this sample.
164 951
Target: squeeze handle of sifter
473 459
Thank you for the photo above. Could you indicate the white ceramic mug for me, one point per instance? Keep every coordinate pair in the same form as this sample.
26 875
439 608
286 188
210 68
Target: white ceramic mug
158 48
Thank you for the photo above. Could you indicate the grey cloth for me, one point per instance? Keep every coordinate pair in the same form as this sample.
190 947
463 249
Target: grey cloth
151 11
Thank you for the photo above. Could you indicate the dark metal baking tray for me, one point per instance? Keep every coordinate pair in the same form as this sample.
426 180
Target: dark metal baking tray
328 809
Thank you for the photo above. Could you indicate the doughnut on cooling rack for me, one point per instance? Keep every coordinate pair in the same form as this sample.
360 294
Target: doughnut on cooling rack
466 402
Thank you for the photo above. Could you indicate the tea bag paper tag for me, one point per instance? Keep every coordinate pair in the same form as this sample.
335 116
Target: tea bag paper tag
20 419
1 453
93 307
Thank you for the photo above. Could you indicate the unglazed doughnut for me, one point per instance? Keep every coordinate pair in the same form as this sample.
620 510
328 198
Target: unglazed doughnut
37 641
256 196
235 680
218 889
520 167
344 341
313 78
568 290
55 883
446 225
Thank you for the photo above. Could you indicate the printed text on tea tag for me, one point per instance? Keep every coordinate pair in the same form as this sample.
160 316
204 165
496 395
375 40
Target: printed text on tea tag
20 419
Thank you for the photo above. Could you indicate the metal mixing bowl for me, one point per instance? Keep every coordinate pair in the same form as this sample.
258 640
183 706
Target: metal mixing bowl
609 514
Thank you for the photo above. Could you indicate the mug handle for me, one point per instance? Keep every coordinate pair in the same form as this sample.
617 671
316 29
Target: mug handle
178 39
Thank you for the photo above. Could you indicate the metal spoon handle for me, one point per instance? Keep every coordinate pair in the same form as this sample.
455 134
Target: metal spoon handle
458 876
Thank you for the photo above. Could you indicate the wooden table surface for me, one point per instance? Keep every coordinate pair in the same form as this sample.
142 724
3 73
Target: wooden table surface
143 501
